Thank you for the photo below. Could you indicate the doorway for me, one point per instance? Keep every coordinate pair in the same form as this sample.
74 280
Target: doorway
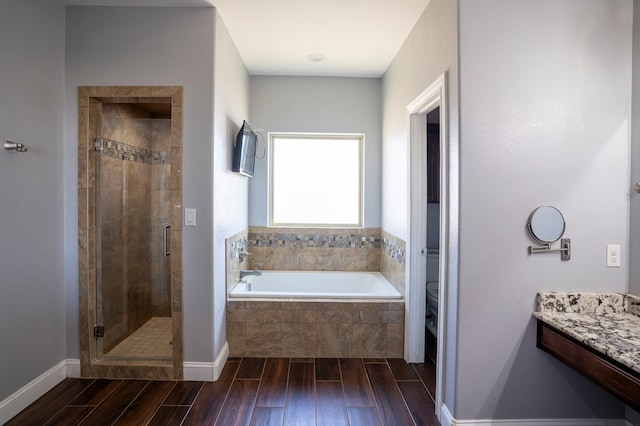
432 253
129 168
428 211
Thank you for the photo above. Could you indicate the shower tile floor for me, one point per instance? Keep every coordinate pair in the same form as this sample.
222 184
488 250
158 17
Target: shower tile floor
151 340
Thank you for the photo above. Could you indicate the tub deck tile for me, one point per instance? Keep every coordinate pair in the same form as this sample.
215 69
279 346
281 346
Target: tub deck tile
299 340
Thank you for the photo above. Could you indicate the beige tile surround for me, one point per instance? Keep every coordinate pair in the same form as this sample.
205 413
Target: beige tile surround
316 329
314 249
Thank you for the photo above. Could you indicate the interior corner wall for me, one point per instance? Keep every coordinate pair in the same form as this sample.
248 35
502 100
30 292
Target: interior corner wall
120 46
634 225
545 107
317 105
430 50
32 305
230 190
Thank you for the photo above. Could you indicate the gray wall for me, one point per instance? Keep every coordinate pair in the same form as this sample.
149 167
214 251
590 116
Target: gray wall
430 49
230 200
32 305
545 119
318 104
151 46
634 226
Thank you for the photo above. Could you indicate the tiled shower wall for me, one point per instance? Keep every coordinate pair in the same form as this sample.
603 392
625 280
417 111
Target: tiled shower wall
134 168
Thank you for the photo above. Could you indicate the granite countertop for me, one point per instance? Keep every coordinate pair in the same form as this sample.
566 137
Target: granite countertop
606 322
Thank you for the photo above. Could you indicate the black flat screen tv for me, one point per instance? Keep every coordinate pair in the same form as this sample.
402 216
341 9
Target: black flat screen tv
244 151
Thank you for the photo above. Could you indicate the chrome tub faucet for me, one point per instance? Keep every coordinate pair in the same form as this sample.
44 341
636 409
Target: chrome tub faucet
245 273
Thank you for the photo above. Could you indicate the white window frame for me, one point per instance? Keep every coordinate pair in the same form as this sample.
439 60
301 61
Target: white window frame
349 136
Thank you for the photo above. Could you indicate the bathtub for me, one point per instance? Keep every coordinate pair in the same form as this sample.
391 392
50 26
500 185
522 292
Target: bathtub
315 285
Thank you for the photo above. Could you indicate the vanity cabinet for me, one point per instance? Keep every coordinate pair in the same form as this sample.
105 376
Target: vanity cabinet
597 335
622 381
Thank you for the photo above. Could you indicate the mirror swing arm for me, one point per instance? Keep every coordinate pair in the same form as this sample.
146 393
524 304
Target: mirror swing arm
565 249
546 225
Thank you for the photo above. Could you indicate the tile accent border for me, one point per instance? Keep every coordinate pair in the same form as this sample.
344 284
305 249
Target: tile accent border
315 237
315 249
125 151
393 260
395 248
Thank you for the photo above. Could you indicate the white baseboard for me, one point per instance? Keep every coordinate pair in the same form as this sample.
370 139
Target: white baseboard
33 390
206 371
446 419
73 367
29 393
210 371
445 416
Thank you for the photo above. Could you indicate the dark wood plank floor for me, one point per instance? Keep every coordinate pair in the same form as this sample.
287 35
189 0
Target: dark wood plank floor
252 391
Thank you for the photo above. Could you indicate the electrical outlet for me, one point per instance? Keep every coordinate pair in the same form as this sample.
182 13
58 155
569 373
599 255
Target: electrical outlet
613 255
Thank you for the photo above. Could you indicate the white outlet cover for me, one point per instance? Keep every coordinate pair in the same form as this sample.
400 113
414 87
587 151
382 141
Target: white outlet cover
613 255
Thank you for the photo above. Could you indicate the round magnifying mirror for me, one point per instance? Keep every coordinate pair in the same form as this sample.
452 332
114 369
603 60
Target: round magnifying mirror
546 224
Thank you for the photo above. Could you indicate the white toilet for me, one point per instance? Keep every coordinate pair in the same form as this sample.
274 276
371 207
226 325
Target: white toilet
433 285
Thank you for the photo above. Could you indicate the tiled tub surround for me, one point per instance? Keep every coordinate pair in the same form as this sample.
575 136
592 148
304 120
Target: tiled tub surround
327 249
393 256
315 249
606 322
315 329
237 259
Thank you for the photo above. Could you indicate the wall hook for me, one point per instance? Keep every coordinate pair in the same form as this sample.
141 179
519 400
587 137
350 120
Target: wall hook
14 146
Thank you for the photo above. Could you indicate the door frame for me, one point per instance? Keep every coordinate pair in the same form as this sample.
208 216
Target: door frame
90 97
435 95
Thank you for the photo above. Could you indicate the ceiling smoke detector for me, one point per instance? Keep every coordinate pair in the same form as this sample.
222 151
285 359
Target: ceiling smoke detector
316 57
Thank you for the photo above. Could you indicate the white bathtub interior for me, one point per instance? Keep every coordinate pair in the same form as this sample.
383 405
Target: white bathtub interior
316 284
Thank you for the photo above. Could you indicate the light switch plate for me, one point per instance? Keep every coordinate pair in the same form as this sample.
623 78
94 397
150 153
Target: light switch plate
189 217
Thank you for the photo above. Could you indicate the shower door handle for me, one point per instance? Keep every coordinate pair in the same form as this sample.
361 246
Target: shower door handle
166 241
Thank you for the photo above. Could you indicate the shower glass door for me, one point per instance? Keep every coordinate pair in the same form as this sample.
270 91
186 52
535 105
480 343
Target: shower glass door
133 277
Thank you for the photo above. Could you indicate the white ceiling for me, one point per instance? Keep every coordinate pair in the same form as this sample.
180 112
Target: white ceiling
357 38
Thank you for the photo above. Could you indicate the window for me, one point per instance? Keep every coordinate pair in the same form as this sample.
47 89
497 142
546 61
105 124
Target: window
315 180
